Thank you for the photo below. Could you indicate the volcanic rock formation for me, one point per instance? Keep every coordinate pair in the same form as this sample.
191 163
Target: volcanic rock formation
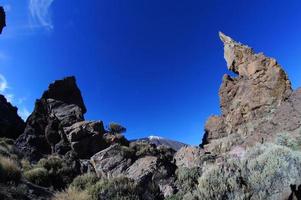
60 106
11 125
256 105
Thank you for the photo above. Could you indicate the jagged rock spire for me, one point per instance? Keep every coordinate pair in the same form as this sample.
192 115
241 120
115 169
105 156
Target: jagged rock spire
248 100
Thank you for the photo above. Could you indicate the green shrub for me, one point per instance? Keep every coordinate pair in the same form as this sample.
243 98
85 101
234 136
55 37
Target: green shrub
270 169
116 128
6 147
265 172
144 149
187 179
26 166
71 194
115 189
285 139
53 163
60 173
9 170
222 182
38 176
85 181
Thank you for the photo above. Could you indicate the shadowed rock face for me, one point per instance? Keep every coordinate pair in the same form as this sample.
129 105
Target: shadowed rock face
11 125
250 102
66 91
60 106
2 19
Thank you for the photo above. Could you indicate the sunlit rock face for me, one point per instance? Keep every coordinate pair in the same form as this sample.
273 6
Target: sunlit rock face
2 19
250 102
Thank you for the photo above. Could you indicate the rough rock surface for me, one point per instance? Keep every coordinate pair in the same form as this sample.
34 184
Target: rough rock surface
142 169
44 132
189 157
65 90
86 138
255 105
144 164
112 162
11 125
2 19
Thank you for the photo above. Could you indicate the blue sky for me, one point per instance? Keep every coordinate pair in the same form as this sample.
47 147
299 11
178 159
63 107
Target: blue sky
154 66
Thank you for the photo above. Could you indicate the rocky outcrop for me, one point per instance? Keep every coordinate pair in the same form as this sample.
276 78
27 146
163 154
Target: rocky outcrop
253 103
11 125
189 157
143 163
113 161
86 138
60 106
2 19
65 90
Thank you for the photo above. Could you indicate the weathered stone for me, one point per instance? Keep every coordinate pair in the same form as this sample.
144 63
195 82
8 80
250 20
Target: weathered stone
189 157
84 129
44 127
112 161
65 90
250 102
86 138
11 125
142 169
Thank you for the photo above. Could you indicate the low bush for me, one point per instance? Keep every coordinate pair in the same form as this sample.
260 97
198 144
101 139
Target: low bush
265 172
285 139
116 128
222 182
115 189
38 176
6 147
270 169
9 170
52 172
187 179
85 181
71 194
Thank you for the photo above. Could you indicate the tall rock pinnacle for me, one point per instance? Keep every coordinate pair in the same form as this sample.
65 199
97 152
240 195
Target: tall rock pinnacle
250 99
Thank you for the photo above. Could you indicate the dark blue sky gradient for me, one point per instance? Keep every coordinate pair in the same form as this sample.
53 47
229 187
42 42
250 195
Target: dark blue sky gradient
154 66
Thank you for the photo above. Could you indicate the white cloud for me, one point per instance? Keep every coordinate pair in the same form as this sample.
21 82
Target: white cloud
23 113
21 100
40 13
3 83
7 7
9 98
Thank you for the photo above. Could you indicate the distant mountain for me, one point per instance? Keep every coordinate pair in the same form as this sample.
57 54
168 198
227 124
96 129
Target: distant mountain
163 141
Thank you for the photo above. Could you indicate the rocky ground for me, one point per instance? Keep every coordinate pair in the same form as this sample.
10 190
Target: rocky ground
250 151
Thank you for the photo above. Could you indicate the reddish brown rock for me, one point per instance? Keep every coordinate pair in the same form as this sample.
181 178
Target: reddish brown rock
256 105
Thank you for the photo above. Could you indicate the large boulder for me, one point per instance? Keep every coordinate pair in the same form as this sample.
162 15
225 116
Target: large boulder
113 161
142 169
256 105
44 132
11 125
189 157
65 90
86 138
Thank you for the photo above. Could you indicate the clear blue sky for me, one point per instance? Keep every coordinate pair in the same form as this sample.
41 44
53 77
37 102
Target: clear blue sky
154 66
